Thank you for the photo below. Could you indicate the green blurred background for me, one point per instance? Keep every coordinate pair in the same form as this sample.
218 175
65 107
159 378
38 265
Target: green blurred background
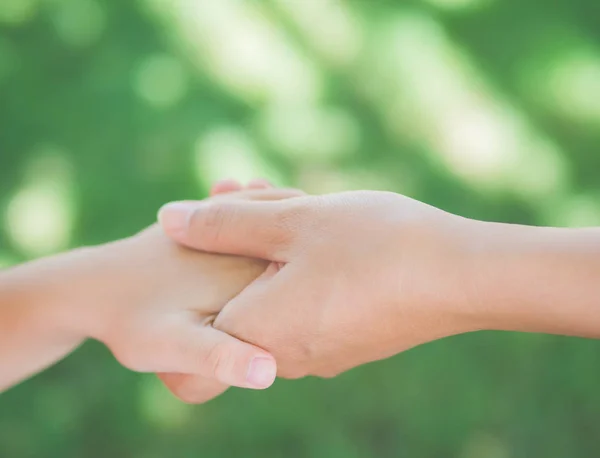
487 108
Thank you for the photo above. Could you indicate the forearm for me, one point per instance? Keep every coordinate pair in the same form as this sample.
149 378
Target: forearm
539 279
35 329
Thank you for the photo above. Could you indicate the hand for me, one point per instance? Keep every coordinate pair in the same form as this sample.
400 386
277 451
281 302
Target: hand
189 387
150 301
195 285
355 277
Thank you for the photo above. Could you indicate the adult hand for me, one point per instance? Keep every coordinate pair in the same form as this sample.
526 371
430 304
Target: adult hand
355 277
190 386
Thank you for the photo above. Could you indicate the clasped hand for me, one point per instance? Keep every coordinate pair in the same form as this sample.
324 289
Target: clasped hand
349 278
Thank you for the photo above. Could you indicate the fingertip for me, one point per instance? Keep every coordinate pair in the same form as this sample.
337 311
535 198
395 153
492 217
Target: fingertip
262 372
259 183
225 186
174 218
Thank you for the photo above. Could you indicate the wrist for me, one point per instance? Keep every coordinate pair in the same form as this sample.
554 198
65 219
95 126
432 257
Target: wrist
434 265
34 299
61 293
81 299
536 279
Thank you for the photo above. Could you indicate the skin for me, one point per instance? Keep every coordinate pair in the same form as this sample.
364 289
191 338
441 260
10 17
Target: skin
360 276
150 301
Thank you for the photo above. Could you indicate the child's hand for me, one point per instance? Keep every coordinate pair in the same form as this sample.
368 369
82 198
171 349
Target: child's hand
150 301
159 304
155 304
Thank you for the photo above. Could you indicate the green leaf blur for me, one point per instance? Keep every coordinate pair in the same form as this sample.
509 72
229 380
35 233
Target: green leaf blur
486 108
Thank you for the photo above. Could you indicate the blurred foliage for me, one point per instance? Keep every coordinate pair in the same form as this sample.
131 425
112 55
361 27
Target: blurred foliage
487 108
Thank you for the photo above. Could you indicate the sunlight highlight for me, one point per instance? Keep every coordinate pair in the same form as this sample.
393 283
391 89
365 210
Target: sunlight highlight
330 26
6 261
575 211
484 445
79 23
311 133
459 5
161 81
323 179
17 11
161 408
438 99
228 152
571 86
239 45
40 215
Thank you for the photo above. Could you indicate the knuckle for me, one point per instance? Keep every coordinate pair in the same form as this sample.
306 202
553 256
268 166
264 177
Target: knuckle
287 224
306 349
276 236
211 222
232 324
290 216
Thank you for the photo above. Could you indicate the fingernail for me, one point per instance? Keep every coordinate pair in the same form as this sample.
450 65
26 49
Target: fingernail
175 217
262 372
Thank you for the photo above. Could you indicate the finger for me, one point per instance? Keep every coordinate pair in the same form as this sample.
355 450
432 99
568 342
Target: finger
290 331
263 230
216 355
261 194
253 194
259 183
192 389
225 186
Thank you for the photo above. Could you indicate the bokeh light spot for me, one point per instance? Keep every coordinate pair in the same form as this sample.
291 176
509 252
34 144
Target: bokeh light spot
459 5
6 260
570 86
314 134
17 11
228 152
484 445
330 26
159 407
577 211
327 179
441 100
40 215
243 49
78 23
161 80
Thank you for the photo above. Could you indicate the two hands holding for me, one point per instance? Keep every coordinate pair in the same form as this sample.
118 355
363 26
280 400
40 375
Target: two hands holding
263 282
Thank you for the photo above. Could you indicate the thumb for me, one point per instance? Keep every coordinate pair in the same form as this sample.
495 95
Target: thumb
216 355
260 229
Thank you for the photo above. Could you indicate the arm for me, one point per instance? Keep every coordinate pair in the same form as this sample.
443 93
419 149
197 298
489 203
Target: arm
538 279
33 331
362 276
149 301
